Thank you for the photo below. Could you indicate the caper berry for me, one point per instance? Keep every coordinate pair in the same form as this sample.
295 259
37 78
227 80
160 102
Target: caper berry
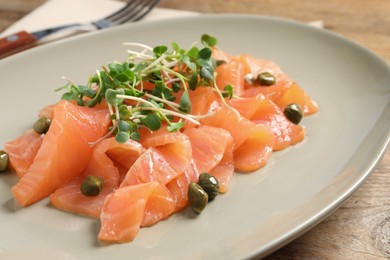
220 62
41 126
3 161
197 197
266 79
91 185
293 113
210 185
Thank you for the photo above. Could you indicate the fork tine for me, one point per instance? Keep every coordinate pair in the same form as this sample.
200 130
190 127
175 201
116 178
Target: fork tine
146 9
122 10
133 11
130 9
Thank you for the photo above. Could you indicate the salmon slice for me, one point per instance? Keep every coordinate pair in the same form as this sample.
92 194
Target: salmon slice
175 147
252 143
256 66
231 73
47 111
263 111
179 186
295 94
284 92
203 100
121 224
69 198
64 153
225 169
106 155
208 146
211 151
224 174
168 155
22 151
220 55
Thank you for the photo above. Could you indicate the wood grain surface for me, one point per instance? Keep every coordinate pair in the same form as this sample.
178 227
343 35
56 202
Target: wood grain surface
360 228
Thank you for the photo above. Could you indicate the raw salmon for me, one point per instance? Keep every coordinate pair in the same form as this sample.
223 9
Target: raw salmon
106 155
212 152
263 111
252 142
47 111
121 224
22 151
231 73
284 92
295 94
145 182
64 153
221 55
168 155
179 186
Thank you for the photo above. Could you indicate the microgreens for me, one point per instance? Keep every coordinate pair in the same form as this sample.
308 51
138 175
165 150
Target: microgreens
133 103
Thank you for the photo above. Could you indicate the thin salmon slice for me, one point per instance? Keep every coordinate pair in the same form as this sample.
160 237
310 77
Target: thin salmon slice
202 100
256 66
22 151
175 146
121 224
47 111
295 94
263 111
224 174
221 55
208 146
64 153
179 186
252 142
68 196
231 73
212 153
225 169
284 92
168 155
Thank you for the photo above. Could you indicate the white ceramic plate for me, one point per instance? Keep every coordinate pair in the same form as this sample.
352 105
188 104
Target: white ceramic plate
263 210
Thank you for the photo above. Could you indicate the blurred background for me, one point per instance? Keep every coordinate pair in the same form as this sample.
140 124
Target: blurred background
367 22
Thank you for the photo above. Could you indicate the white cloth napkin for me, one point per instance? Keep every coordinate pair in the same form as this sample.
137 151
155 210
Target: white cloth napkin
59 12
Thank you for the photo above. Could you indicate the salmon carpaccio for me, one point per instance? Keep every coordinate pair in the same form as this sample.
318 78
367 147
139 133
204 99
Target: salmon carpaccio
145 182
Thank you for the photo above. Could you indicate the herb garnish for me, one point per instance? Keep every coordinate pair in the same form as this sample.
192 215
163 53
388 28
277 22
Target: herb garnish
133 105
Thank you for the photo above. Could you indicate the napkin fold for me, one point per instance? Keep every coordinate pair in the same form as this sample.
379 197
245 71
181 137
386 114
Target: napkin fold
59 12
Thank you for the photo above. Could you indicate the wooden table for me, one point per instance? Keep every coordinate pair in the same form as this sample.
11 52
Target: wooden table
360 228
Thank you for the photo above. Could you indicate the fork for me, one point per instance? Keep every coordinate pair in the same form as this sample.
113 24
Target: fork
133 11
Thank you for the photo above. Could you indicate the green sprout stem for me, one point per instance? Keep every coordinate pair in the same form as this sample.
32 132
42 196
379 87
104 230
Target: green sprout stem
171 104
152 107
171 72
173 113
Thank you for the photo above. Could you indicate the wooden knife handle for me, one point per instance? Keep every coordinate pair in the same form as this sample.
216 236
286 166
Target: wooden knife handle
16 42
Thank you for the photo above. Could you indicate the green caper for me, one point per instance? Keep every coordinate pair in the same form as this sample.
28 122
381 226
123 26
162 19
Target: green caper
197 197
220 62
266 79
293 113
41 126
3 161
210 185
91 185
